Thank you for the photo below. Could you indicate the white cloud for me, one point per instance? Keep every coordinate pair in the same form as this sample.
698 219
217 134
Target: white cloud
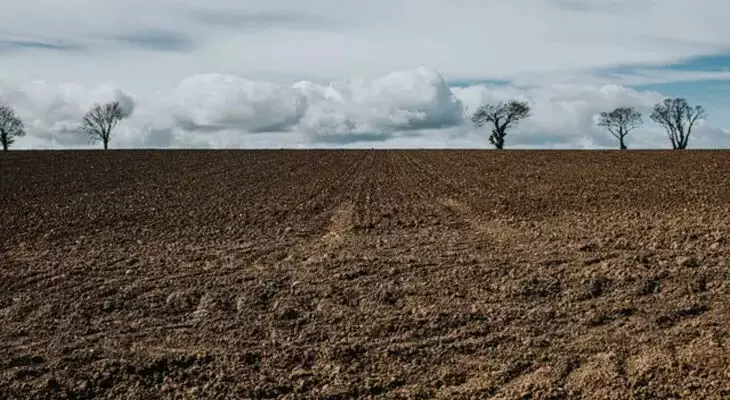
415 108
400 101
218 102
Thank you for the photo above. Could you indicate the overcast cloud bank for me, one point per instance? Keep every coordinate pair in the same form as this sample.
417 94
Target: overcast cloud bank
415 108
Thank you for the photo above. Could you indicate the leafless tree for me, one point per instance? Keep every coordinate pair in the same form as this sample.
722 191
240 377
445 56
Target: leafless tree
620 122
678 118
502 116
10 126
101 119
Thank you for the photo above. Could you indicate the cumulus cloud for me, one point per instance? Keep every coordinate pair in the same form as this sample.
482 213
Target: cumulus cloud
227 110
215 102
379 109
410 108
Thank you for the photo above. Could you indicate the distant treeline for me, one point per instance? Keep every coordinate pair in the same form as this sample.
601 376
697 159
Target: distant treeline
673 114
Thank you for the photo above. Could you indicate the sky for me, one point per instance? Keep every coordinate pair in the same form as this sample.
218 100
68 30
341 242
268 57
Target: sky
375 73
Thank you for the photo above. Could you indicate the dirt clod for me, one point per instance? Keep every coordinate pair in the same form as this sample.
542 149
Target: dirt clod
686 262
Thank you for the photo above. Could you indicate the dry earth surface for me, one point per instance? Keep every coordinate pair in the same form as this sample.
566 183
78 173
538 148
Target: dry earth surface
365 274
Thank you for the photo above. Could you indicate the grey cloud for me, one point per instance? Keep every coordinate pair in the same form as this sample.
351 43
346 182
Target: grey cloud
159 138
63 133
159 40
261 20
351 137
243 122
609 6
583 5
281 126
19 45
191 126
213 103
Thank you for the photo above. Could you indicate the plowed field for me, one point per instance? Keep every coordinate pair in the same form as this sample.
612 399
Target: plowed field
365 274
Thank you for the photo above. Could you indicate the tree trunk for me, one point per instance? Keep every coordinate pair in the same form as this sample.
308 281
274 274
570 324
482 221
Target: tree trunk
622 144
683 143
497 139
5 144
673 139
106 144
678 144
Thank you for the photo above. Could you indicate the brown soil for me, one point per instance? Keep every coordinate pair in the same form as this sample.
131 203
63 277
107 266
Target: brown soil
365 274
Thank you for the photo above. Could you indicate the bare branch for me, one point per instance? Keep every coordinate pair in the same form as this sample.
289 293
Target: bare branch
99 122
693 114
501 116
11 126
620 122
678 118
